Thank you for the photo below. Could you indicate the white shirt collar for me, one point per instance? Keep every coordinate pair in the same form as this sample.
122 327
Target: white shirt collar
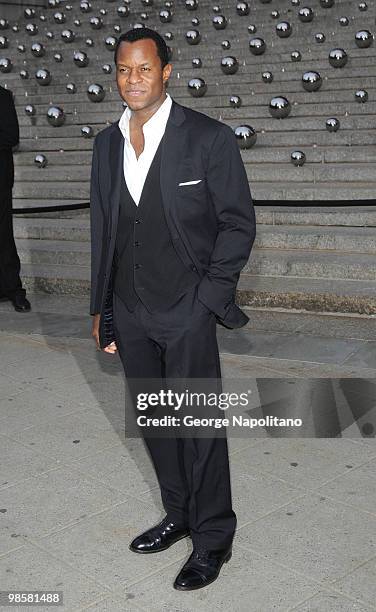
153 125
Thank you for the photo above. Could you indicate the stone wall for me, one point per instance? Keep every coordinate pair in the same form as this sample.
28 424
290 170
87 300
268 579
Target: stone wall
13 8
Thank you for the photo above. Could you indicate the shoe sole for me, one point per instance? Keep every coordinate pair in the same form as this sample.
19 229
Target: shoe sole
150 552
201 586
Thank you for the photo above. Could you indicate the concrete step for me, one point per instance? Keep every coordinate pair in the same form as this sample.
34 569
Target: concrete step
292 123
312 264
218 85
249 97
55 252
310 173
280 261
348 239
234 31
320 295
209 48
77 191
56 229
69 139
310 107
59 279
279 154
318 217
341 216
358 71
328 239
298 191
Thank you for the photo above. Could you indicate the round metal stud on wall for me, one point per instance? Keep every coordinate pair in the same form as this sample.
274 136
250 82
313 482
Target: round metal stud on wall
95 93
257 46
38 50
55 116
68 36
332 124
311 80
283 29
246 136
81 59
40 160
235 101
242 9
279 107
363 39
361 95
43 77
87 131
338 58
30 110
197 87
298 158
267 76
193 37
296 56
229 64
306 14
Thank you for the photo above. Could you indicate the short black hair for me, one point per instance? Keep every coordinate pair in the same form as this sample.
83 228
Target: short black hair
140 34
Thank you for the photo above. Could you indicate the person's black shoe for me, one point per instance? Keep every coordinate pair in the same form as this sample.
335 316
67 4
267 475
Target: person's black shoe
202 568
160 537
20 303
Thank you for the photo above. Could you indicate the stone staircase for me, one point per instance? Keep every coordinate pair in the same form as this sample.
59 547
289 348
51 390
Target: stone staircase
305 257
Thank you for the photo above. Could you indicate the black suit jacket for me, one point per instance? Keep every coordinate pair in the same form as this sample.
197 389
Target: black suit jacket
9 137
212 223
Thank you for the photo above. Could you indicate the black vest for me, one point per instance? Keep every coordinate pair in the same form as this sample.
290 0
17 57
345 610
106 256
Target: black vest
146 264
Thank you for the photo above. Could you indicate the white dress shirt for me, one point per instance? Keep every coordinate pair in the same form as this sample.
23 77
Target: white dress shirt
135 170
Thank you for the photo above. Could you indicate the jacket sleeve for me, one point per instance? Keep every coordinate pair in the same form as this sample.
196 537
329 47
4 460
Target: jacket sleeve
9 128
236 225
96 232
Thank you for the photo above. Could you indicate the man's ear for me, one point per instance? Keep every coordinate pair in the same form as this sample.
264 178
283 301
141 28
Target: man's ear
167 72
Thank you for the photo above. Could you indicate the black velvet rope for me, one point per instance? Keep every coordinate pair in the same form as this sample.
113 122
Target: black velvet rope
301 203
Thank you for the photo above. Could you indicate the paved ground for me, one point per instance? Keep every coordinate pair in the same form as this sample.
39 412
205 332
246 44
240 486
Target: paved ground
74 490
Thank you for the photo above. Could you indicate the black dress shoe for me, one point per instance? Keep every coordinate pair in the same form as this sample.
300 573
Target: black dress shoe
158 538
20 303
202 568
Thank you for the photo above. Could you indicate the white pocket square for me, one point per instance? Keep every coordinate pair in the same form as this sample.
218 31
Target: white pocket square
190 182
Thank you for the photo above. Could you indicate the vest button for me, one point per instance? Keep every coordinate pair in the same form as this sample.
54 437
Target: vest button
137 266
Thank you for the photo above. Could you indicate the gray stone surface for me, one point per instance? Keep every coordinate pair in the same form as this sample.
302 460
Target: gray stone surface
313 536
75 490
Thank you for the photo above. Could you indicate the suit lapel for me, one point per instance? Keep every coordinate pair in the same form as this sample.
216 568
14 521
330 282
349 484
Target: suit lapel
173 147
116 170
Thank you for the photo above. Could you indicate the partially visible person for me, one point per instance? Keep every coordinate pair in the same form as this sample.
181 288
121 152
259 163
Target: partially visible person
10 282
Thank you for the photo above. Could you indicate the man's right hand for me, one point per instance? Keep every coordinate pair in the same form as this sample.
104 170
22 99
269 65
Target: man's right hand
111 348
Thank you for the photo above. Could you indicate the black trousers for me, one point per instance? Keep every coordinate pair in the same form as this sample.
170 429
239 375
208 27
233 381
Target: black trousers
10 282
193 472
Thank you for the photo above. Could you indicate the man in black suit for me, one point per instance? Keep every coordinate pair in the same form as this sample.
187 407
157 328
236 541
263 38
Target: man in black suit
172 225
10 282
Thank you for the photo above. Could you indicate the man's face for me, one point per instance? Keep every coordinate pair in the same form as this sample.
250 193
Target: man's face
139 75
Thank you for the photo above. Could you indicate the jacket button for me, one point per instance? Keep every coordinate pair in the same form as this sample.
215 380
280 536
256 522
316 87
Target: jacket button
137 221
137 266
137 243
